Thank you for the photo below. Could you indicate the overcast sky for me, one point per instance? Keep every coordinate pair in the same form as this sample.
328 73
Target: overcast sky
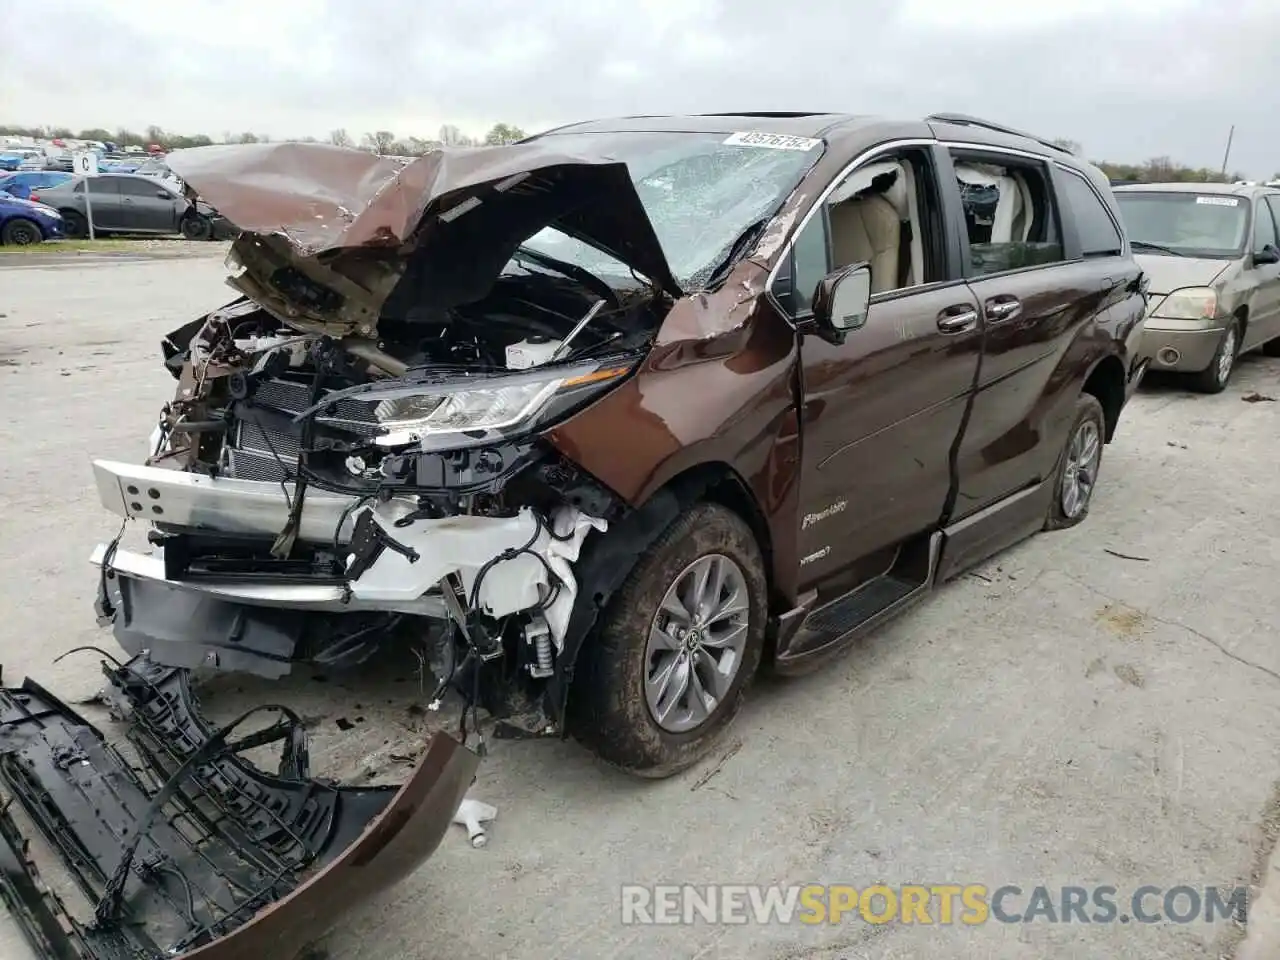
1129 80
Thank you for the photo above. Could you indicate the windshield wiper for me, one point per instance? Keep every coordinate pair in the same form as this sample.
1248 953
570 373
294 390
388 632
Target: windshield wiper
1155 246
570 270
745 240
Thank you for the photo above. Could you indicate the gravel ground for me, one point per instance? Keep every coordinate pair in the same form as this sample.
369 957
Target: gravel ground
1064 715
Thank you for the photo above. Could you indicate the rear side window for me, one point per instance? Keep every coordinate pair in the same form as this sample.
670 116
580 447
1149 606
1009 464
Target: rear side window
1009 213
1098 234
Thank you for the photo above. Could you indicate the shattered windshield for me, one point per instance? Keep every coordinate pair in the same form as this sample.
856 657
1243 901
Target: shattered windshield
702 191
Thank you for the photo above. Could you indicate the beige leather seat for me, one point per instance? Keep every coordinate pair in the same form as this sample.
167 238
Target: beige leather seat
867 228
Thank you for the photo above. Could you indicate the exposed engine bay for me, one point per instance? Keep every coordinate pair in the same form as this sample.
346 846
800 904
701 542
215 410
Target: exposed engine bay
391 473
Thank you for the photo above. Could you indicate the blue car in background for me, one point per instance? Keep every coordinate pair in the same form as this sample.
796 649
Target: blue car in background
23 221
13 159
21 184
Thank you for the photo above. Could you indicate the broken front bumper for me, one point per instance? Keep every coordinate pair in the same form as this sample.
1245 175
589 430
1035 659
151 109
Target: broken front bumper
195 852
394 561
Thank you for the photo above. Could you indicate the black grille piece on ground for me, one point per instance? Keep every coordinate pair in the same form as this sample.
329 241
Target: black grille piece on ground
229 840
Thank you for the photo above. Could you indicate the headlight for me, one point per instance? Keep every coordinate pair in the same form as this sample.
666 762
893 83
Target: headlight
1189 303
472 413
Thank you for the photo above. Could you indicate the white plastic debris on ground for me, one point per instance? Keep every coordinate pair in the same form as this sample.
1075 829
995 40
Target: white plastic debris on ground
473 814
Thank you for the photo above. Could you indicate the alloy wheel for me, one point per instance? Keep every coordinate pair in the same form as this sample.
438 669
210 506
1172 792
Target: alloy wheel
696 642
1084 454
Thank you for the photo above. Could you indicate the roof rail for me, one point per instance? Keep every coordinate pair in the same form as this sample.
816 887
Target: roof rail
771 114
964 120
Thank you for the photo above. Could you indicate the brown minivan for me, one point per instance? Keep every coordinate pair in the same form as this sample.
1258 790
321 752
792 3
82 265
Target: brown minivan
601 422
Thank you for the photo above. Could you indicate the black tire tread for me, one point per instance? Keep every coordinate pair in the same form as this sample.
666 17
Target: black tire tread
1087 405
6 237
205 231
1206 381
76 224
607 709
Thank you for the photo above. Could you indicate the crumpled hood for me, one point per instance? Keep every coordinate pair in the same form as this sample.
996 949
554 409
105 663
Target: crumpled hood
322 199
1169 273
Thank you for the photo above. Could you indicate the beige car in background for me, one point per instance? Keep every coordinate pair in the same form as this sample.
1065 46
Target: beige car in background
1212 253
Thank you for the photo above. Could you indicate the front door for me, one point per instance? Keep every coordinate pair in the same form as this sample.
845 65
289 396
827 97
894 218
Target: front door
147 206
882 411
1264 305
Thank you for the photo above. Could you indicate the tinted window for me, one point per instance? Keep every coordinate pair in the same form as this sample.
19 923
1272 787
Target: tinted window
1264 228
809 264
132 187
1191 224
1008 213
1274 204
1098 234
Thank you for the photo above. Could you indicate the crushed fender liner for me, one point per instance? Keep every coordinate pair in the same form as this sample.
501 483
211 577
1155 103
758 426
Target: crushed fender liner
190 850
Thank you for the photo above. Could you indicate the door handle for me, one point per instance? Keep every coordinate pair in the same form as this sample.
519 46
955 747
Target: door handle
966 319
1002 308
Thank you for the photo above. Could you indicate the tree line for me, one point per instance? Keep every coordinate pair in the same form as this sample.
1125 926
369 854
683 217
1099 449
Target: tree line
387 143
382 142
1158 169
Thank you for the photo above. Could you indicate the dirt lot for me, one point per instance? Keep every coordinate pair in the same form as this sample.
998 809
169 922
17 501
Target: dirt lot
1064 716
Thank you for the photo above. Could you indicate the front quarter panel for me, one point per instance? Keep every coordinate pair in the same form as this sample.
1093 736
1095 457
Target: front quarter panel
718 388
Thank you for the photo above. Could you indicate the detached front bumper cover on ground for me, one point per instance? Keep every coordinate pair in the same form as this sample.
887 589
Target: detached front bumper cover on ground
185 848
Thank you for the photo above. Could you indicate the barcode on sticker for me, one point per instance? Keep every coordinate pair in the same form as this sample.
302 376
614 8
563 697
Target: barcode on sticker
1220 201
772 141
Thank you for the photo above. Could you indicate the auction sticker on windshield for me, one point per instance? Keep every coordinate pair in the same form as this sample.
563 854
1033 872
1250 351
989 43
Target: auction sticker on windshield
1220 201
772 141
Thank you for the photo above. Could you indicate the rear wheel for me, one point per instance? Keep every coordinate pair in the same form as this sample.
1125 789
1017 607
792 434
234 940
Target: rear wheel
678 646
20 233
1213 378
74 224
1078 466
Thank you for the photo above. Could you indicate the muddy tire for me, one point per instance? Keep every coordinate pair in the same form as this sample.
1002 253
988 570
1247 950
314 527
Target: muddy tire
1076 476
1271 348
196 227
74 225
662 642
1214 378
19 232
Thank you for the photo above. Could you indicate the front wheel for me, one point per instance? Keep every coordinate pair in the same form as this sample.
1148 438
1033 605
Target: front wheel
1078 465
1213 378
20 233
678 645
196 227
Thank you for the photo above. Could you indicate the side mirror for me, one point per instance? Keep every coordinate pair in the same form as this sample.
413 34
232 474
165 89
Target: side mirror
1270 253
841 302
